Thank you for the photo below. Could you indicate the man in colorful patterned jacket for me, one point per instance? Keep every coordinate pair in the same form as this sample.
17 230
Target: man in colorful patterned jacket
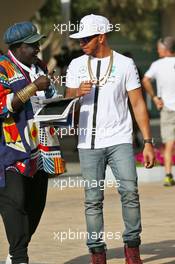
25 158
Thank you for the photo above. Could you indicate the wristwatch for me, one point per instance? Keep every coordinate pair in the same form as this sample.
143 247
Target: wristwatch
149 141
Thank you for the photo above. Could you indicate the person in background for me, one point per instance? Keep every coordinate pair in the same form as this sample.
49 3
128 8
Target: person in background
23 167
163 72
104 79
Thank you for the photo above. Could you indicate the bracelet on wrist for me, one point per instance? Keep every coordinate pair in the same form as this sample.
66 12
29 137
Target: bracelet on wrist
27 92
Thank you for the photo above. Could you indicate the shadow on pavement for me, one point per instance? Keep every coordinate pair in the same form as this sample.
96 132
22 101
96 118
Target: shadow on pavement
2 262
160 251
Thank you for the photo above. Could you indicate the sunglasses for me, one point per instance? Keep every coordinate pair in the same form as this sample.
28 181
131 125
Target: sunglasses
87 39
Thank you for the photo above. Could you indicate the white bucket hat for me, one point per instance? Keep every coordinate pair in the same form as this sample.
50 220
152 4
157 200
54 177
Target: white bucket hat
92 25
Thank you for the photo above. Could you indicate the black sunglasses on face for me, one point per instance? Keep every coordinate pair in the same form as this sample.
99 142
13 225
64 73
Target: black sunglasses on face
87 39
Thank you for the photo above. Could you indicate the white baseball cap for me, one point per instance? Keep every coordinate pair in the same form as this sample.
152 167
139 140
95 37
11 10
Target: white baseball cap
92 25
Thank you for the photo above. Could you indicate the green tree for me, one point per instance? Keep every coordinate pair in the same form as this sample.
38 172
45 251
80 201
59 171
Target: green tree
48 15
138 18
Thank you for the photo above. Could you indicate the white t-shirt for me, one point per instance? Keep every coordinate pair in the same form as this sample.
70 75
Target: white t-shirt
113 119
163 72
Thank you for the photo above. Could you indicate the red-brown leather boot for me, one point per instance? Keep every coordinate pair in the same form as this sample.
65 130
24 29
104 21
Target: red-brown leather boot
98 258
132 255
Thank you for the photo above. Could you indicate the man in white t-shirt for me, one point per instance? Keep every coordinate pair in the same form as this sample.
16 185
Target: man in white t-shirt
104 79
163 72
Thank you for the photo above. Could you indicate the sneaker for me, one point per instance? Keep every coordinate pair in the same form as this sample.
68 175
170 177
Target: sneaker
168 180
98 258
132 255
8 259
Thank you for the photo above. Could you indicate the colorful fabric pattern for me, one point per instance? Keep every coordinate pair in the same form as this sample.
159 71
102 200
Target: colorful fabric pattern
21 146
50 157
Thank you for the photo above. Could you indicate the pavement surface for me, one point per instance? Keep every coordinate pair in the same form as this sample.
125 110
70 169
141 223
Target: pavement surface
63 219
64 216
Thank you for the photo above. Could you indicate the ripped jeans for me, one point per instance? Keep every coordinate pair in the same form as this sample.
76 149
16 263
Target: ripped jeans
93 166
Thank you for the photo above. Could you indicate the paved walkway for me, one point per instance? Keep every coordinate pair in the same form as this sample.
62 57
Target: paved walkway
64 213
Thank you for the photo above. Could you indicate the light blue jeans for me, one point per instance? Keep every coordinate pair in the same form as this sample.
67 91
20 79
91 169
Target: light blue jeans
93 165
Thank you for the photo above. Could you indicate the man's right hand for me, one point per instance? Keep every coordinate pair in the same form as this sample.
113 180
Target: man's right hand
85 88
42 83
158 102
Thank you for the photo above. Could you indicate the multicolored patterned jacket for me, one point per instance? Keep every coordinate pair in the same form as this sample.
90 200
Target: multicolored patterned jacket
22 147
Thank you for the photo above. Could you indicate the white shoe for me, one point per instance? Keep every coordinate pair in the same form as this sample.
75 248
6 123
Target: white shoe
8 259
